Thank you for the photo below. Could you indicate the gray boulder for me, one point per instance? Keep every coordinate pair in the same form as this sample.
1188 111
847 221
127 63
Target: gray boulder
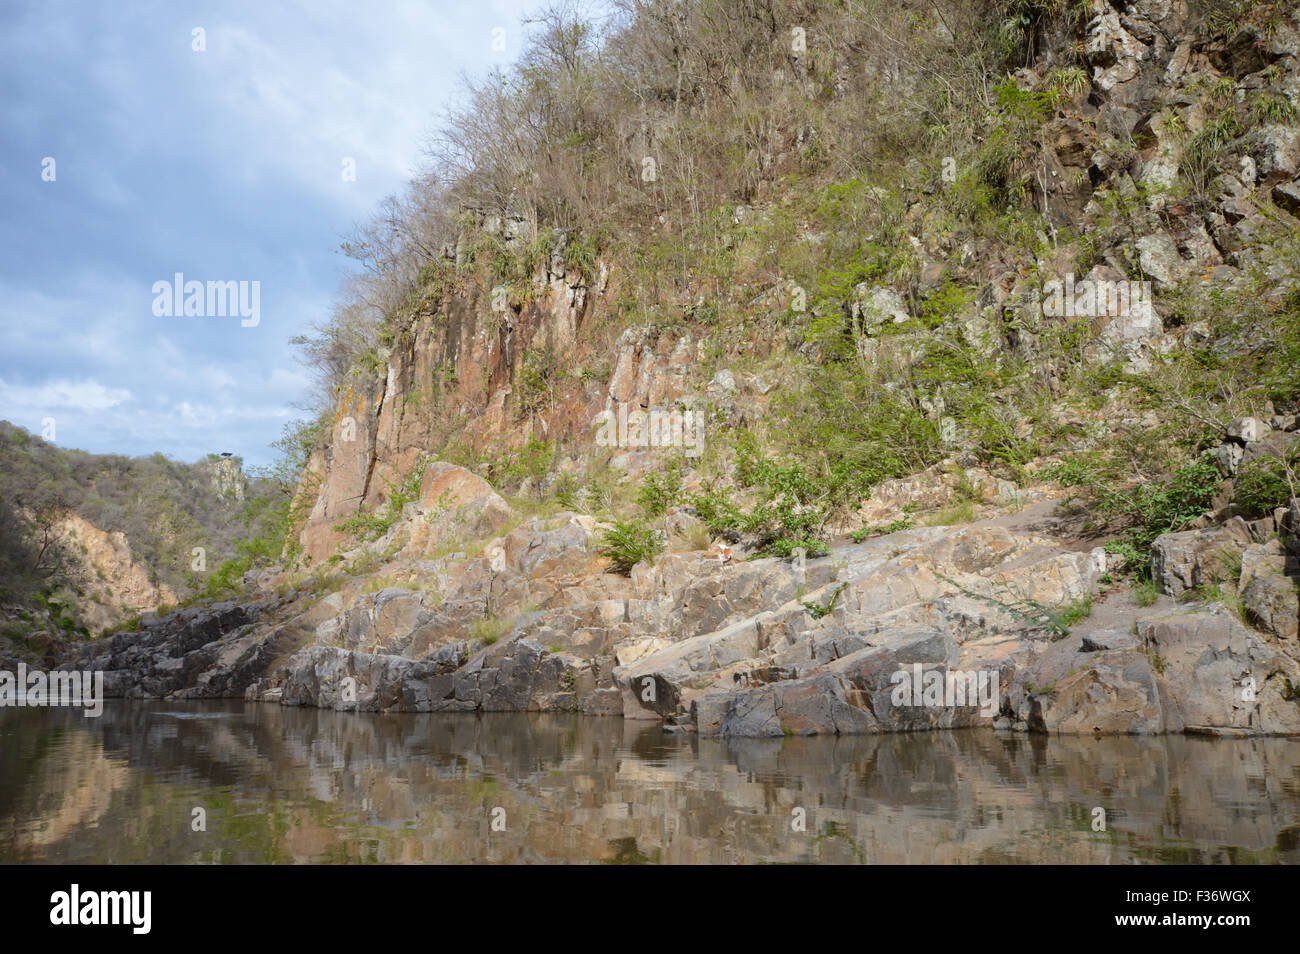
1220 678
1194 558
1201 672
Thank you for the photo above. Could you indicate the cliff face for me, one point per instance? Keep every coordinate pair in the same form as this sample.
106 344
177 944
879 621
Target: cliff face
113 585
1113 169
450 380
227 478
101 585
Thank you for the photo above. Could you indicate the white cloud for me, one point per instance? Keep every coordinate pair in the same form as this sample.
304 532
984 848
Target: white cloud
82 395
292 383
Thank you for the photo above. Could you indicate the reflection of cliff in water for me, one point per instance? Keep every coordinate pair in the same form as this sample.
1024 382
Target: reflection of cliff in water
283 784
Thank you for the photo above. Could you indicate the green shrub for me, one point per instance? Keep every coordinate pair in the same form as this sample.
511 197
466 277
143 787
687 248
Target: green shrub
1149 508
531 462
489 629
1071 613
1262 485
717 509
1146 593
660 490
228 578
1163 507
627 544
785 547
865 533
566 492
786 513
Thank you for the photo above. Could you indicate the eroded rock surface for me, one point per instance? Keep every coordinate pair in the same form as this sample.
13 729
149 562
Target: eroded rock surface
764 648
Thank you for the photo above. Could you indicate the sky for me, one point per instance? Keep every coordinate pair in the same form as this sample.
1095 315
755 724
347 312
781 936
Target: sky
221 155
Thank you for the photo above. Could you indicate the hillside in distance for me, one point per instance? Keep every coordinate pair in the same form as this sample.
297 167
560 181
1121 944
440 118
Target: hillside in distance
88 542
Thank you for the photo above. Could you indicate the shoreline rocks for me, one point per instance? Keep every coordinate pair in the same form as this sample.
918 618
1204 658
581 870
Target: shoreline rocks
764 648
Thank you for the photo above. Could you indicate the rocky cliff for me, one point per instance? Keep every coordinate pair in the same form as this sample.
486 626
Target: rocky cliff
448 563
451 381
103 585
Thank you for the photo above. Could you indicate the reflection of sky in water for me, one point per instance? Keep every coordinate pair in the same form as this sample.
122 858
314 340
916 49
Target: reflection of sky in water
284 785
194 715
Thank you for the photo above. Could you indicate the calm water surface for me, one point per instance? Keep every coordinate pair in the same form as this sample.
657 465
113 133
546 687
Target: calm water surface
303 785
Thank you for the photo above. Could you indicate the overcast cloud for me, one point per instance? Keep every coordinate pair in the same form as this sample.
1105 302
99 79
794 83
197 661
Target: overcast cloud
224 165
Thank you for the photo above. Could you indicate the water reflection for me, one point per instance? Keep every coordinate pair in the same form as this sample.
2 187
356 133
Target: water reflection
305 785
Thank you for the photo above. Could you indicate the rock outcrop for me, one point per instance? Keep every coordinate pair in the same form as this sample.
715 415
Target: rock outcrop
932 628
115 585
1201 672
1191 559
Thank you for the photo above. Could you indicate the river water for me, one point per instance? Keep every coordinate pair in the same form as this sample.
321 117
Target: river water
305 785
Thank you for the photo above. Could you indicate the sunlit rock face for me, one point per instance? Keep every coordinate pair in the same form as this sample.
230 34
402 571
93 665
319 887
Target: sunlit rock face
934 628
